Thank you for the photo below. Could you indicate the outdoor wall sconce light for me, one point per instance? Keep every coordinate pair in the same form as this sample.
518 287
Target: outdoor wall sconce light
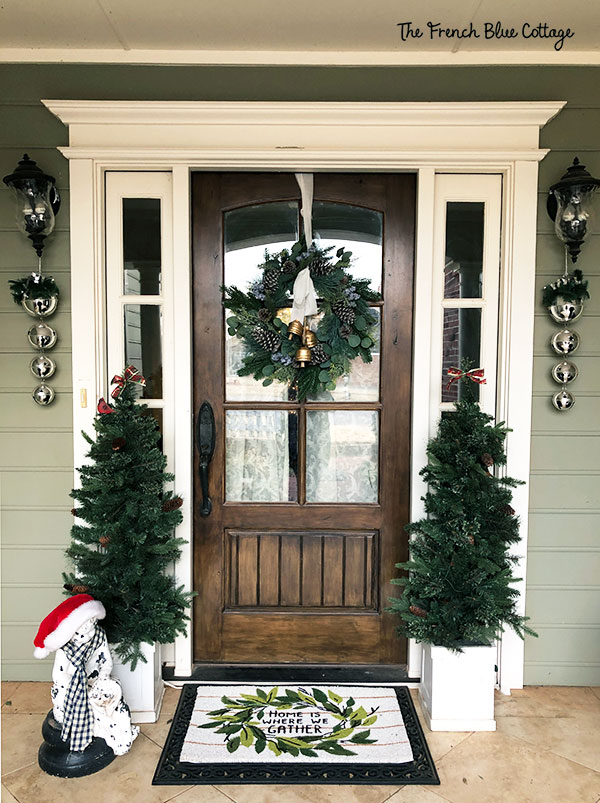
37 204
569 205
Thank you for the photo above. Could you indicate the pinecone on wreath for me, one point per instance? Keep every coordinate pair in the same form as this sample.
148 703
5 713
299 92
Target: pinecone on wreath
270 281
320 266
317 355
344 313
269 341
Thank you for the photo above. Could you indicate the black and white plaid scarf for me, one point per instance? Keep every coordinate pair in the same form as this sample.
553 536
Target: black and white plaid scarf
78 722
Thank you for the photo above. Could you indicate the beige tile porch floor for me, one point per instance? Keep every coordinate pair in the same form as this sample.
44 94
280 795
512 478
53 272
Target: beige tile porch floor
546 750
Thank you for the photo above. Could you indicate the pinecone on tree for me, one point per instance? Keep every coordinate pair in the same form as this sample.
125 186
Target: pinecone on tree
417 611
344 313
264 314
320 266
317 355
269 341
270 281
345 331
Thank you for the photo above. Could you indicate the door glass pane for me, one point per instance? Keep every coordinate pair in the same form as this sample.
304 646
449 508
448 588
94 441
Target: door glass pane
143 335
342 455
141 246
252 229
358 230
248 233
261 455
362 383
246 388
463 269
462 339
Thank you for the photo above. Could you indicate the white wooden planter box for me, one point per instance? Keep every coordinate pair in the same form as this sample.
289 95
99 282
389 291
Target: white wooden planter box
457 689
143 689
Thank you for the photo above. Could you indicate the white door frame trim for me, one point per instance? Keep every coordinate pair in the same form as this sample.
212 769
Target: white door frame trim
426 138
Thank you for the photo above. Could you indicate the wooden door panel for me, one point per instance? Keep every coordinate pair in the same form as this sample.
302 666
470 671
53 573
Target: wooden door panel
350 640
296 581
304 570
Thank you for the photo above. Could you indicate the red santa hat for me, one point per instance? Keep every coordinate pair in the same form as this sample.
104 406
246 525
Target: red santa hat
61 624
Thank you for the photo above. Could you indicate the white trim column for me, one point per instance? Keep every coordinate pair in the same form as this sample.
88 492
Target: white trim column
515 376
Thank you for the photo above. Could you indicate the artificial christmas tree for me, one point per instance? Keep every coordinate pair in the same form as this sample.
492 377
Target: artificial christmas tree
458 592
121 550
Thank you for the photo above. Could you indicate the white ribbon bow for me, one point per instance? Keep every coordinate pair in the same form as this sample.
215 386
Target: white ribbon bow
305 298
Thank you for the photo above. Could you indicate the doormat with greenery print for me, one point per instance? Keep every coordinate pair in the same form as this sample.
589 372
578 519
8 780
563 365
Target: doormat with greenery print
295 734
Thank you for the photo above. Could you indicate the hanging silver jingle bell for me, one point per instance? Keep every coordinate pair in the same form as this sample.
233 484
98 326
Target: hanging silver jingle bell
563 400
565 342
563 311
42 366
43 395
40 307
42 336
564 372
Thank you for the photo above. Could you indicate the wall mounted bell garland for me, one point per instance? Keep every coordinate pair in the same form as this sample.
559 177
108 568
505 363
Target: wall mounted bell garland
569 206
37 203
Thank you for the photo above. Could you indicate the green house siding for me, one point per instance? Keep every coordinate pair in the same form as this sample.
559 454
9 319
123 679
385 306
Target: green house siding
36 443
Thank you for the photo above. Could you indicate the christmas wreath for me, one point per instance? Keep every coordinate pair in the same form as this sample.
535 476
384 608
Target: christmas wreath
310 355
570 288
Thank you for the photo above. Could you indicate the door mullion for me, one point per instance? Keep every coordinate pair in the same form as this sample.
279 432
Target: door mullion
302 454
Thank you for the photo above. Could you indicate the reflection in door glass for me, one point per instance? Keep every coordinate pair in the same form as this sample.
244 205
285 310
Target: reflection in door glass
463 269
342 456
141 246
356 229
261 455
252 229
143 349
462 339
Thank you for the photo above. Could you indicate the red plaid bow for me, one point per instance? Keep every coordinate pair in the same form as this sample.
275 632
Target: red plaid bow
130 374
475 375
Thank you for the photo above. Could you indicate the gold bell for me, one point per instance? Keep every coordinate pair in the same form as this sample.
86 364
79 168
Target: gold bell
295 328
309 339
303 356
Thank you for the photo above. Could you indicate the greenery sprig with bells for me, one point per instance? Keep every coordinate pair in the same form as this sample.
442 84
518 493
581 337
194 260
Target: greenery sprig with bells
311 360
33 286
571 287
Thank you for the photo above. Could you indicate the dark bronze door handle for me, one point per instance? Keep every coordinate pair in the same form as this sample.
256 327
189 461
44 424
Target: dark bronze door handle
205 441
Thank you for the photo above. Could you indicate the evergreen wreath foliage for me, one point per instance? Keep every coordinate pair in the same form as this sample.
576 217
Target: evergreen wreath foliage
125 543
33 286
459 588
345 330
570 288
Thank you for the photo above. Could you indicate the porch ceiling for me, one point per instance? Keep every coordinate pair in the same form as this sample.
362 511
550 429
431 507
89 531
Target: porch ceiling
269 31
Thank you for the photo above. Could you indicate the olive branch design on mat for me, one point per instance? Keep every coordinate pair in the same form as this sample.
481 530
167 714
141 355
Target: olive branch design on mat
242 722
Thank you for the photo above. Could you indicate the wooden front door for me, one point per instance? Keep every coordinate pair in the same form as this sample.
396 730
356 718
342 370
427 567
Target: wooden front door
309 500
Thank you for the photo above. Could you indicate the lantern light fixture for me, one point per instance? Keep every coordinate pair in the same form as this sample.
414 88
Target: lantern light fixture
570 206
37 201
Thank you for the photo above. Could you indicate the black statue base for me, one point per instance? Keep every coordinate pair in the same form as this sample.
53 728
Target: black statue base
56 758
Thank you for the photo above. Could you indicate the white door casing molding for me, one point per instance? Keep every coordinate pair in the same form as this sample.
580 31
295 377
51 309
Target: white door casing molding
427 138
